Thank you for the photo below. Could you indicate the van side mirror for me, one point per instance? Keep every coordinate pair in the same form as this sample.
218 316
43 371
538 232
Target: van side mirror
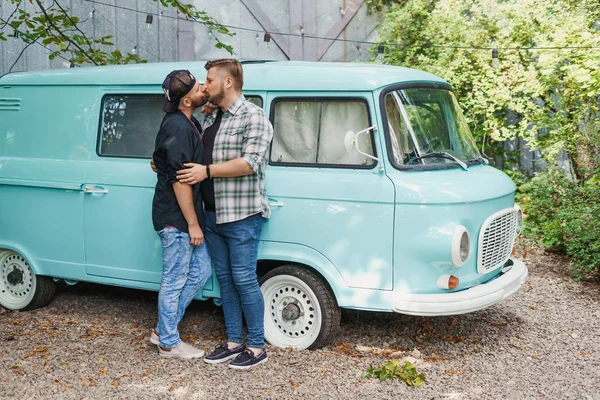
351 142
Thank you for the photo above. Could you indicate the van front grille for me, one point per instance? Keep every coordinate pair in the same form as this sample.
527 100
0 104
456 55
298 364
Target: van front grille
10 104
496 240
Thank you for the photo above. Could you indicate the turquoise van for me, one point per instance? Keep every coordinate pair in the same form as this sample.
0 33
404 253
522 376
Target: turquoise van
380 198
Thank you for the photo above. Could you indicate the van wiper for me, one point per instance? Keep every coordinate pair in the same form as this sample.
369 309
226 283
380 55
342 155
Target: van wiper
480 158
443 154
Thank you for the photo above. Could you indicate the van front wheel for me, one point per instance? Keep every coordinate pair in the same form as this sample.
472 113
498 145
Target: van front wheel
20 288
300 311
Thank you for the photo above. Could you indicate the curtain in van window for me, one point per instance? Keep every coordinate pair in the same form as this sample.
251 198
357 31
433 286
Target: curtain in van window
339 117
296 129
313 132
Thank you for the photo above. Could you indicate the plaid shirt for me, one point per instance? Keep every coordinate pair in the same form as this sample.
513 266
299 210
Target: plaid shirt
245 132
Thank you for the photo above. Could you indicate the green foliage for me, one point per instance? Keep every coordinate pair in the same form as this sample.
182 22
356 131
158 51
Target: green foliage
563 215
54 26
550 96
393 370
547 96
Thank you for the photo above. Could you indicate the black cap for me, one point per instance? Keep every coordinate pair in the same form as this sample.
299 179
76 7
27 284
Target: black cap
176 85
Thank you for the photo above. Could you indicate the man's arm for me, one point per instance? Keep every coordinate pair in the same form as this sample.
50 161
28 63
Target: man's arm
183 193
259 133
197 172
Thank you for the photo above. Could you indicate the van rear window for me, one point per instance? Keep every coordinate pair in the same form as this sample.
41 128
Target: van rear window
312 132
129 124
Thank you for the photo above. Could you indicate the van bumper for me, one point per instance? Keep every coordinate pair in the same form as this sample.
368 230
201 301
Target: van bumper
465 301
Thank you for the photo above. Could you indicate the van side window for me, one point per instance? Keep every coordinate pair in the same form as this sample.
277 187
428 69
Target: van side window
312 132
129 124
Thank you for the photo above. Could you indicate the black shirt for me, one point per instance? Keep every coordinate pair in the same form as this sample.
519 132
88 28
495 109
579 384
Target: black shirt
178 142
208 140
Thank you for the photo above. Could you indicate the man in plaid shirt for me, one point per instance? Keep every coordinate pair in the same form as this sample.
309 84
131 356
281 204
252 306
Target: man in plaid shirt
236 139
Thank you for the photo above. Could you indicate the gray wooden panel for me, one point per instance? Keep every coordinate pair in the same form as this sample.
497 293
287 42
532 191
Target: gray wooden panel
147 34
167 33
12 47
126 27
360 28
296 47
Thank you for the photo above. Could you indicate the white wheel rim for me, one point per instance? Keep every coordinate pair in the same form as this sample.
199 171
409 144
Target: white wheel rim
301 332
17 281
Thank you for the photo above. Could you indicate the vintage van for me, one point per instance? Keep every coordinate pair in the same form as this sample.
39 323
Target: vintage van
380 198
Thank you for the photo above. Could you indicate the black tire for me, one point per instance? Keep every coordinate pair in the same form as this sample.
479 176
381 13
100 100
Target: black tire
311 297
20 288
44 292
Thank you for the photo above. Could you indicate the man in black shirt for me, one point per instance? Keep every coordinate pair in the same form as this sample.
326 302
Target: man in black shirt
177 213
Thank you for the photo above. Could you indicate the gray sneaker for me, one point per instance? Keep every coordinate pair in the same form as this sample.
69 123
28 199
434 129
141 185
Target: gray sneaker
183 350
154 338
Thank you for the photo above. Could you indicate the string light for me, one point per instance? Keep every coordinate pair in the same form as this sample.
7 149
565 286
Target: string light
495 62
149 19
366 42
380 50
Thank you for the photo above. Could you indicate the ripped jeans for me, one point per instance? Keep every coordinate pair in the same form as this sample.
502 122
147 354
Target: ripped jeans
186 268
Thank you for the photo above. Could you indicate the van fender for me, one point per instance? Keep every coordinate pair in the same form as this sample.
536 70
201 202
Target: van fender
26 254
305 255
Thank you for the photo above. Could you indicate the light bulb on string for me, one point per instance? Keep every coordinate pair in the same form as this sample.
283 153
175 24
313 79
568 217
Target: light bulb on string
380 49
149 19
495 62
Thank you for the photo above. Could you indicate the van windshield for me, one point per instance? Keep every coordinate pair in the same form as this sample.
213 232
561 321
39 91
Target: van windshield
427 127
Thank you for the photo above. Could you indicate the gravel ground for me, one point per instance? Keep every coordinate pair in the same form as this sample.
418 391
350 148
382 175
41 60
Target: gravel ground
91 342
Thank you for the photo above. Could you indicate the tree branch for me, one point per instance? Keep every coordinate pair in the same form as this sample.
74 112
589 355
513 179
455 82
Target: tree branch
63 35
21 53
74 25
12 14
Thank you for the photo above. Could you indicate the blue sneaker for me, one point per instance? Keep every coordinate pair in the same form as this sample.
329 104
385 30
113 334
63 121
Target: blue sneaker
247 360
222 353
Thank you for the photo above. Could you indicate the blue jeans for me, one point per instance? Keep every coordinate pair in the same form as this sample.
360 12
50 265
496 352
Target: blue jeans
233 250
186 268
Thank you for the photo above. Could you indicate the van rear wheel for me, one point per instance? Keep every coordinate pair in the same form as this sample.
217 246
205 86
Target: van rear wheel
20 288
300 311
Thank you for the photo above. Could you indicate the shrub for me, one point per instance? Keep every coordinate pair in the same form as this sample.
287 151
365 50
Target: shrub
563 215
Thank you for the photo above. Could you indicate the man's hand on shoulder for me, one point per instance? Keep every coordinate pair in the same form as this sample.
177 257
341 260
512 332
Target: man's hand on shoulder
194 173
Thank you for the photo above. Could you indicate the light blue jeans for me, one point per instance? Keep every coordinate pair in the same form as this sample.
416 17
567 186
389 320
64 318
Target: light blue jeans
234 250
186 268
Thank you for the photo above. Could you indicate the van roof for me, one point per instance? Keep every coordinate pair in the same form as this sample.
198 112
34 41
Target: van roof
258 75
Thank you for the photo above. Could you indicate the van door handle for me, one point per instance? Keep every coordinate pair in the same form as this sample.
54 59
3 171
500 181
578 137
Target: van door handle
97 189
273 203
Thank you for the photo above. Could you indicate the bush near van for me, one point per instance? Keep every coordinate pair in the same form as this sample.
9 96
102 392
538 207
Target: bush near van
380 199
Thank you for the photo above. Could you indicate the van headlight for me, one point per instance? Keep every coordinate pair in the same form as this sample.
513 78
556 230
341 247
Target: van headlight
519 219
461 245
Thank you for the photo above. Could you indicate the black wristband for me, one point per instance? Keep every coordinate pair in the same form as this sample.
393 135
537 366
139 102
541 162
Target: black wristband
208 171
